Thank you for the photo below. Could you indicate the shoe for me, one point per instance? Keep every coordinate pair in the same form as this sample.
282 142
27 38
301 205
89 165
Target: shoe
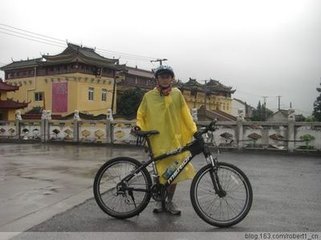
159 208
172 208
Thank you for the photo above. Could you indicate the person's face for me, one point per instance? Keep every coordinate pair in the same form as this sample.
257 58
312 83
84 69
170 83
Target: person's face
164 80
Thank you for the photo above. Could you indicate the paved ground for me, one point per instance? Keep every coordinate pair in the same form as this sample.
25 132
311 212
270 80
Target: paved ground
37 181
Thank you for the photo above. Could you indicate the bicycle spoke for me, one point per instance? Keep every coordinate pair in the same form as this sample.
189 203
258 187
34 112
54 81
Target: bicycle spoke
216 209
231 207
114 191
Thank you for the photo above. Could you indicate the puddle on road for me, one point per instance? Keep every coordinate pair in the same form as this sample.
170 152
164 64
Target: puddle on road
88 173
37 178
35 194
60 163
52 168
49 190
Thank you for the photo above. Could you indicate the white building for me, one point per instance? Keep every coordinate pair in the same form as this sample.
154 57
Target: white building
238 105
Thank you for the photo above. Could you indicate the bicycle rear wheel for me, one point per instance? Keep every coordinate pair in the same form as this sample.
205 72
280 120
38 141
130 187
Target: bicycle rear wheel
231 207
122 199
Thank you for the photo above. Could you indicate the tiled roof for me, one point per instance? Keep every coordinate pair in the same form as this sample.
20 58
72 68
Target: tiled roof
21 64
73 53
139 72
215 114
90 53
215 85
240 101
191 84
211 85
11 104
6 87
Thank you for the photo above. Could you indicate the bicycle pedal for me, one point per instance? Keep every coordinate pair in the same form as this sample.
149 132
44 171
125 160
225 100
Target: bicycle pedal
159 210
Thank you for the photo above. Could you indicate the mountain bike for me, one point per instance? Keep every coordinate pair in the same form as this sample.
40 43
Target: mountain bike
221 193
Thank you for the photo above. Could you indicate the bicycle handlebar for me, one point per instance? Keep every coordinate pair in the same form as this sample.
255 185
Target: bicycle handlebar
210 127
198 135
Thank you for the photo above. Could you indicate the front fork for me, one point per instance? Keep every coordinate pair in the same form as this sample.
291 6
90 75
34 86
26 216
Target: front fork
213 174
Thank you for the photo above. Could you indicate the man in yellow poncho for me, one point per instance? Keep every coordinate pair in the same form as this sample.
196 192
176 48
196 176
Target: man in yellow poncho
164 109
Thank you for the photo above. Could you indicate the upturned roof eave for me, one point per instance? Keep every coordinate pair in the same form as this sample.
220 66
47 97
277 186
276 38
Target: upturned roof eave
21 64
4 87
59 58
82 59
11 104
73 49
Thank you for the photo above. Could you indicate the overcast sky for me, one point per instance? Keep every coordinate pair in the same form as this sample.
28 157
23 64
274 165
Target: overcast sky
260 48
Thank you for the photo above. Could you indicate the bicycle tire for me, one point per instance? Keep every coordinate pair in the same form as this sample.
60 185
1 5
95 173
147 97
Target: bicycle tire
226 172
124 199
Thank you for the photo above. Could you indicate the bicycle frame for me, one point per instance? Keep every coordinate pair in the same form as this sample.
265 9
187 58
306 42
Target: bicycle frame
195 147
128 195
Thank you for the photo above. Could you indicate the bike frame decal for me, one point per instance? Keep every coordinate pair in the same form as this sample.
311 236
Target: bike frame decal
171 153
179 169
165 155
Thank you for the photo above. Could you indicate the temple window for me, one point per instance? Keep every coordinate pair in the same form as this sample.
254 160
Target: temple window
38 96
91 93
104 95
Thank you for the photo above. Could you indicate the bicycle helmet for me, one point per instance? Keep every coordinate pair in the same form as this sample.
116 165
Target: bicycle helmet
163 69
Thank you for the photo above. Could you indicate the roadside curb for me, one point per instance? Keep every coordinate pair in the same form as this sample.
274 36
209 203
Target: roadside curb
32 219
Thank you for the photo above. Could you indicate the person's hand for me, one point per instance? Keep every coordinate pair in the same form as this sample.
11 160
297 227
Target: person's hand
135 129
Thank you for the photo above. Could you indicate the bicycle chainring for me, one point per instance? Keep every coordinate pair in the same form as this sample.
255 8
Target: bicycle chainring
159 192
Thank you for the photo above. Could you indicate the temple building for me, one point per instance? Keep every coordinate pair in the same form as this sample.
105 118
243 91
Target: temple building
8 106
213 95
137 77
80 79
76 79
218 96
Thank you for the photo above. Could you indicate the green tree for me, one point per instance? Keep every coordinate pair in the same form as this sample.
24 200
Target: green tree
310 119
257 113
129 101
307 138
317 106
261 113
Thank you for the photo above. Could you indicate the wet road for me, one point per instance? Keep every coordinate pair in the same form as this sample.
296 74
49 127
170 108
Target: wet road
287 191
37 181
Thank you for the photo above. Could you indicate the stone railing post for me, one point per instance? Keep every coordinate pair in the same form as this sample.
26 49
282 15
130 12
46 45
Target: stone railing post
18 129
76 127
239 134
109 132
48 125
109 126
291 129
239 129
44 126
18 124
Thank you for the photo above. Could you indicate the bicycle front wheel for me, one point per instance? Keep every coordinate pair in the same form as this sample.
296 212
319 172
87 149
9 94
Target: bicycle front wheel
221 210
118 198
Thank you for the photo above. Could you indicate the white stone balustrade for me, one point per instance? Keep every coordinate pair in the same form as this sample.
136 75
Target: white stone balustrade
288 135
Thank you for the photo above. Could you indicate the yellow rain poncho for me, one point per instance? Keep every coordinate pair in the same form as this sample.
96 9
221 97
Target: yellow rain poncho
171 116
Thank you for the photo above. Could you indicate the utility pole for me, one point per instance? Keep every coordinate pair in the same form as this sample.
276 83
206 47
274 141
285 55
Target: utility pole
115 78
160 61
264 100
205 101
279 102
